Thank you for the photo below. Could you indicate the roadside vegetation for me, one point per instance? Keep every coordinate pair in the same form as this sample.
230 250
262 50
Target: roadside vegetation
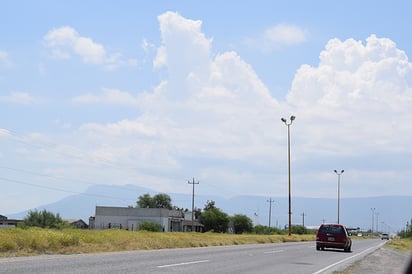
404 242
43 232
34 240
401 244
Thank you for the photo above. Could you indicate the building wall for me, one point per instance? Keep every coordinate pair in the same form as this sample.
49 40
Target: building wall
130 218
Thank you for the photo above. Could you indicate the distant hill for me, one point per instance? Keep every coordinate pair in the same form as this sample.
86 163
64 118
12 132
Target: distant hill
391 212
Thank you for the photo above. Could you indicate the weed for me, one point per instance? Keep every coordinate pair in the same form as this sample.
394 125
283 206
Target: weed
66 241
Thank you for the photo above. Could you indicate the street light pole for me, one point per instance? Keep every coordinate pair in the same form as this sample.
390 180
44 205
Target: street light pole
377 222
290 199
373 215
270 201
339 173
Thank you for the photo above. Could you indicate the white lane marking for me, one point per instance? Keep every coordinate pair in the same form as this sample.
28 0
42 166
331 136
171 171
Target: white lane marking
351 257
274 251
179 264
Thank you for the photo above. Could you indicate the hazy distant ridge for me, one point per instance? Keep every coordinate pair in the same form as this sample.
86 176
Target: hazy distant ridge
391 212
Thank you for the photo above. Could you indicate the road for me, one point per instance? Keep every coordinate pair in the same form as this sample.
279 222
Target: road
295 257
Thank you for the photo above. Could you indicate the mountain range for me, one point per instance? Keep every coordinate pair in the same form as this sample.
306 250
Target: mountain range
387 213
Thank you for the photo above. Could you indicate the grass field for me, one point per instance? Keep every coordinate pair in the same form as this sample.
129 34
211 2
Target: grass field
401 244
34 241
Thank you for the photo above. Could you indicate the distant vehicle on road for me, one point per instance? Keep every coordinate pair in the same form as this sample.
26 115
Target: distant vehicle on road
385 236
333 236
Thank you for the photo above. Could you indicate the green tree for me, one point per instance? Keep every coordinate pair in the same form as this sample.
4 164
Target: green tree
160 200
242 223
145 201
163 201
214 219
209 205
44 219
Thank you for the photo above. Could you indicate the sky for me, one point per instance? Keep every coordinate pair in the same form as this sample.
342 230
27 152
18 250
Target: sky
158 93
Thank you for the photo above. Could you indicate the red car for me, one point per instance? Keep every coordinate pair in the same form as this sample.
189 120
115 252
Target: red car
333 236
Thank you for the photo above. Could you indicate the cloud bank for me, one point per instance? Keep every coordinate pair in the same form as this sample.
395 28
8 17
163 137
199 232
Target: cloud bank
212 118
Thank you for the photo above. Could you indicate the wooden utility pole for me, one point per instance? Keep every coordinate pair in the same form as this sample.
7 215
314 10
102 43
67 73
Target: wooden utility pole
193 201
303 219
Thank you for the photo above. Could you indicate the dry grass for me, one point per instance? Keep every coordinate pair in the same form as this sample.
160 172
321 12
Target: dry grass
400 244
33 241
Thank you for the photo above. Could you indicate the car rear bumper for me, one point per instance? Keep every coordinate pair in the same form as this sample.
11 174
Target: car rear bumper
332 244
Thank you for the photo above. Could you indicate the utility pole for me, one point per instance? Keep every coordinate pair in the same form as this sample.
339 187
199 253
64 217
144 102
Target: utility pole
270 201
193 201
303 219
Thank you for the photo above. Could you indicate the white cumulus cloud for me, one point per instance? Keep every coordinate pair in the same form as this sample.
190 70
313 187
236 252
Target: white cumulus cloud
108 96
362 91
285 34
212 116
66 41
280 35
4 58
18 97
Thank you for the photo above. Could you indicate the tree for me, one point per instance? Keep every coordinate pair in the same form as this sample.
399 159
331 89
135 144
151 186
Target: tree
163 201
145 201
213 218
44 219
157 201
242 223
209 205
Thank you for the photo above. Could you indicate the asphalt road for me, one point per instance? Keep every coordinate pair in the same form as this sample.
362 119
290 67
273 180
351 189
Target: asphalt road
300 257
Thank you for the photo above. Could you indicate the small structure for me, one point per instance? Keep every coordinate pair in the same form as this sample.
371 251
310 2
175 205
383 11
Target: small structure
130 218
8 223
77 223
188 226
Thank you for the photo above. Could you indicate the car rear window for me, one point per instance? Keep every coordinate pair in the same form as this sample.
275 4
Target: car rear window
332 229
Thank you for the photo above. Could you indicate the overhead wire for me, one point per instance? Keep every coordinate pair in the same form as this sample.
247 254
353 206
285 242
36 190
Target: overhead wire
61 190
52 147
77 154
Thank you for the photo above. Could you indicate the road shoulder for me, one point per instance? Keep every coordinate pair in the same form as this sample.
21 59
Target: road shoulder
382 260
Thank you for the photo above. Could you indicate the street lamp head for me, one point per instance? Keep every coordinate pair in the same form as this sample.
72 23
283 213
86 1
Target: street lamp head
292 118
342 171
336 171
283 120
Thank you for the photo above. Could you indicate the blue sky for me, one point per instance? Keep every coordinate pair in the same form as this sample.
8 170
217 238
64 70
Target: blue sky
155 93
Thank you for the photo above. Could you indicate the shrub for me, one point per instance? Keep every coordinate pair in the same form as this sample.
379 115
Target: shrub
149 226
43 219
299 229
242 223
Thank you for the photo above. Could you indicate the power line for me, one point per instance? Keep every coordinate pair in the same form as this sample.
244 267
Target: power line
72 153
82 181
60 189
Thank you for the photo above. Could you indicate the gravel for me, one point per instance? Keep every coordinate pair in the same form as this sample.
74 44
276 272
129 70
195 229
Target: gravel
384 260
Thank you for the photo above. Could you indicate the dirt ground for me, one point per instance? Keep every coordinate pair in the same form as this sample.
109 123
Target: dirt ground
384 261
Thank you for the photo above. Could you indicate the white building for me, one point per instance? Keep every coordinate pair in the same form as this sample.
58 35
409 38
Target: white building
130 218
